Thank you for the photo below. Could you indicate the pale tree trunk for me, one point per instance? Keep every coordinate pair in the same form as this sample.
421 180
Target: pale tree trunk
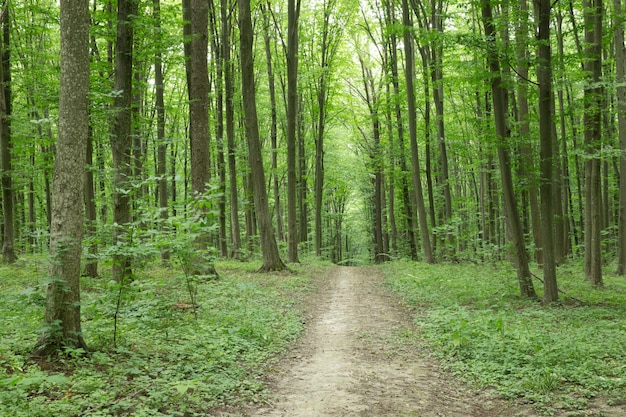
592 124
91 266
417 181
271 257
293 13
544 76
620 79
121 140
8 238
499 112
62 316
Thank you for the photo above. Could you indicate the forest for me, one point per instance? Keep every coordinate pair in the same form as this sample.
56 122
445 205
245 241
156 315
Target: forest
161 155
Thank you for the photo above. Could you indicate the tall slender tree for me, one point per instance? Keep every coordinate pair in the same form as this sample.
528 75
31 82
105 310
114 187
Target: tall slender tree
271 257
498 91
6 146
409 75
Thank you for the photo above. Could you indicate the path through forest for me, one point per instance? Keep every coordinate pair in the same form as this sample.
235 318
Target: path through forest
355 359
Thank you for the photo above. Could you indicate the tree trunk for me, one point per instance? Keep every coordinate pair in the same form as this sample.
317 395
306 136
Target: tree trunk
544 76
91 265
121 139
229 109
62 316
6 147
499 112
592 125
161 141
271 257
417 181
620 79
292 118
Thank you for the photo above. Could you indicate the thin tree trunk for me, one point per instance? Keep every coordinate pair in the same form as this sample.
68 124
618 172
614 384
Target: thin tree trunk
499 112
544 76
417 181
293 8
620 79
271 257
161 143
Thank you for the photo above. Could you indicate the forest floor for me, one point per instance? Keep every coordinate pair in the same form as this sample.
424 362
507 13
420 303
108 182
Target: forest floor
359 357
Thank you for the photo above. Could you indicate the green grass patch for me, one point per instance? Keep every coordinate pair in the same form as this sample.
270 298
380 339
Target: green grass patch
167 362
557 356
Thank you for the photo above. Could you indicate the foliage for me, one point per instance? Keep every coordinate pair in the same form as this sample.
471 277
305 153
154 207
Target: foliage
166 362
556 357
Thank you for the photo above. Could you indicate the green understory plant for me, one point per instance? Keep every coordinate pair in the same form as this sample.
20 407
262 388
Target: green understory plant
557 357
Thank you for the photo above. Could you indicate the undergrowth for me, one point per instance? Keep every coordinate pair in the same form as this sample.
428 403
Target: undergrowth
167 361
557 357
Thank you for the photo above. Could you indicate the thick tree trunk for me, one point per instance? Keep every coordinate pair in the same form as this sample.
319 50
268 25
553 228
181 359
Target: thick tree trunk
592 124
271 257
121 139
499 112
62 317
8 238
417 181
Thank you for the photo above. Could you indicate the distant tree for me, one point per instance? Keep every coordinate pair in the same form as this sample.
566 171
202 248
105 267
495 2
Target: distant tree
62 316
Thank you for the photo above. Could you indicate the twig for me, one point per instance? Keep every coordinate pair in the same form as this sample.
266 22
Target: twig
563 292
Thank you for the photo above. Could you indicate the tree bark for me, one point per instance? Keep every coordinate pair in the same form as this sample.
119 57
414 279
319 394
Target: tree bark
620 79
121 139
271 257
293 14
499 112
62 316
417 181
544 76
6 146
593 125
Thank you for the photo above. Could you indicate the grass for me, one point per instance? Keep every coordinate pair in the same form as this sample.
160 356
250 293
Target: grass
167 362
557 357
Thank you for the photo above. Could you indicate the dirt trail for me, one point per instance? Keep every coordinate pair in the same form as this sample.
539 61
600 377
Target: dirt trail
355 360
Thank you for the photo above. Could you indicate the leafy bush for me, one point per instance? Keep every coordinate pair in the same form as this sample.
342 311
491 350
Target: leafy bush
167 362
483 332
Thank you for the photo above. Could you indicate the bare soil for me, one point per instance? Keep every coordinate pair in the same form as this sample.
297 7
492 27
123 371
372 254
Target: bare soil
359 357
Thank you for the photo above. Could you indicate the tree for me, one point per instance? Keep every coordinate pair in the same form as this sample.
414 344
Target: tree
8 238
271 257
544 76
121 138
620 79
409 75
593 126
499 112
293 7
62 317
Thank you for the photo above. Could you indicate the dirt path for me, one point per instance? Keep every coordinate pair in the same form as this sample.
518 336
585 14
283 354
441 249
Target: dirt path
355 360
